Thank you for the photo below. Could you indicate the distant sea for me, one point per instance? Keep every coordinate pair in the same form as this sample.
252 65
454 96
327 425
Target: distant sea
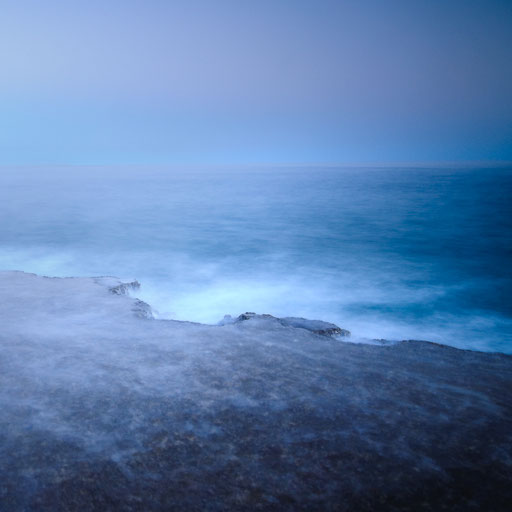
389 252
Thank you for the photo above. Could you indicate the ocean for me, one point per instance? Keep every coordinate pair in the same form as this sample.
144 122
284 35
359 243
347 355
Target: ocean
386 252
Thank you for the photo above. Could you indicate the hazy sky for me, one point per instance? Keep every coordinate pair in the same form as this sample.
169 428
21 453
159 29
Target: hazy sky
154 81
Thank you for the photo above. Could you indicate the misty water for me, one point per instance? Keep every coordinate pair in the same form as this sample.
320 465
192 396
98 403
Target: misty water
395 253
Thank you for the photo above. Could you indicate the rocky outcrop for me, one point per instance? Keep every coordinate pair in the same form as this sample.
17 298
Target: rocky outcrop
125 288
104 411
142 309
316 326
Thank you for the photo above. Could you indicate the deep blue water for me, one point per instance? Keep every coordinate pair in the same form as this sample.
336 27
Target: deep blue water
397 253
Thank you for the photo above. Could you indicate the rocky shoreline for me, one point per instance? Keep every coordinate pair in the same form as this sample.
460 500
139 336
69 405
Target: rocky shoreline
105 408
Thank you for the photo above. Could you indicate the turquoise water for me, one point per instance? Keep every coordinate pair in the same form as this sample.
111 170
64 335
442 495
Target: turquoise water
392 253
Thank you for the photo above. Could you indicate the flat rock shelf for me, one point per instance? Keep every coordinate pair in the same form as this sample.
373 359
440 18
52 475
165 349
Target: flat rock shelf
104 408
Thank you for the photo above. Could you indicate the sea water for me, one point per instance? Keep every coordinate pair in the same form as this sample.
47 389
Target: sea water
386 252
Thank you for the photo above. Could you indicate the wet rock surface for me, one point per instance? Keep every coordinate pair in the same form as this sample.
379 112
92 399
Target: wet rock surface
316 326
152 415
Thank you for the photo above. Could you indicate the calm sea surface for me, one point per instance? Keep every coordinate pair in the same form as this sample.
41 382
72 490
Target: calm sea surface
393 253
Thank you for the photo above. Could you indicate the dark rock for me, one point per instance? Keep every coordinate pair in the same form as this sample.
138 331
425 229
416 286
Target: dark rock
317 326
125 288
142 309
113 413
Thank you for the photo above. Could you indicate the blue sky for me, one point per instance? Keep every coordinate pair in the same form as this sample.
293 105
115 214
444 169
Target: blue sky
228 81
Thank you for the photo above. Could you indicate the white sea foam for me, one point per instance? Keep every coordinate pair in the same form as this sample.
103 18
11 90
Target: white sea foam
355 247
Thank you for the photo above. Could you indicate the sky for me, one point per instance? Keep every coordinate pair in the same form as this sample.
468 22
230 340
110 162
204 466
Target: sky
239 81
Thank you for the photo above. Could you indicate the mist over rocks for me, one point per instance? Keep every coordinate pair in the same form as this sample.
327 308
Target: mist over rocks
121 288
105 410
315 326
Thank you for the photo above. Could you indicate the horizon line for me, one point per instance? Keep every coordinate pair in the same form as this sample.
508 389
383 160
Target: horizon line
391 163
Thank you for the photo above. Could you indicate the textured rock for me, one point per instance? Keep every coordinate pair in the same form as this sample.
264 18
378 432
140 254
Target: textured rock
125 288
106 411
316 326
